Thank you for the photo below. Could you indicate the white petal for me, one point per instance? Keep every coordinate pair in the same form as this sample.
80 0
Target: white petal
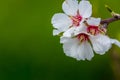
65 39
116 42
56 32
85 9
69 32
80 29
73 31
85 51
70 7
61 21
70 48
94 21
101 43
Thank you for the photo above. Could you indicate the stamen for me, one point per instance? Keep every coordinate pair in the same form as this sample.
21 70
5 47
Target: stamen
83 37
76 19
94 30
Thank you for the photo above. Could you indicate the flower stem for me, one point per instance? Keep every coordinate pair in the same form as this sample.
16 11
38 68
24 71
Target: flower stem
106 22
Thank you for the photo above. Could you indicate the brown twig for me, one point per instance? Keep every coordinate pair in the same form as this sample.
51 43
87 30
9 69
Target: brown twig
106 22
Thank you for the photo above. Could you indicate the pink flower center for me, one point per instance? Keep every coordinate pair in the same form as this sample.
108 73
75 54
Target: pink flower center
94 30
83 37
76 20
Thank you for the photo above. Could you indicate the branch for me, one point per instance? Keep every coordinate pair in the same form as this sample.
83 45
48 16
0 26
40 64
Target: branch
106 22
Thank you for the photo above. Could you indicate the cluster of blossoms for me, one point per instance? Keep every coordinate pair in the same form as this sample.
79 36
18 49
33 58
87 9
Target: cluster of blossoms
82 35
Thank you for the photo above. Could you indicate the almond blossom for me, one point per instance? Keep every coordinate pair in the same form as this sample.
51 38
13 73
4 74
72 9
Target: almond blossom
101 43
74 14
78 47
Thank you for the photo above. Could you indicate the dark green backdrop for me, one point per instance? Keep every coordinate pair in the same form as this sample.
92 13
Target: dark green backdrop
28 51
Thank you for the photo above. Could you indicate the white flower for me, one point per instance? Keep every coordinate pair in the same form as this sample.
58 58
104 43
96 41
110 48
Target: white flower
74 15
78 47
82 45
101 43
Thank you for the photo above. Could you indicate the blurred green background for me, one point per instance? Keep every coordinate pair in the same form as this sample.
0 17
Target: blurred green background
28 51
